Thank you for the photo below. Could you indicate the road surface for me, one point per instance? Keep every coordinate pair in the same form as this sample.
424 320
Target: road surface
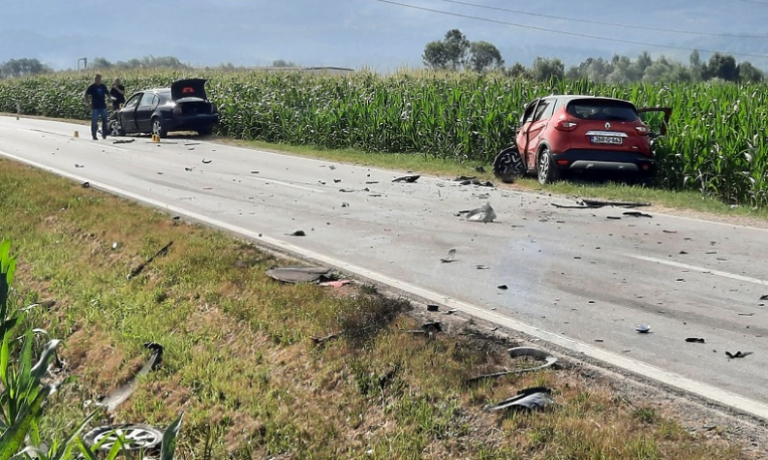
573 274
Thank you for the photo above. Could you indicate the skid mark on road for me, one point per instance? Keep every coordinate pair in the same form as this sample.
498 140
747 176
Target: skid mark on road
699 269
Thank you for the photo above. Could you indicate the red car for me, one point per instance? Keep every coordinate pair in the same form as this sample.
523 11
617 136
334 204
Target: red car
560 134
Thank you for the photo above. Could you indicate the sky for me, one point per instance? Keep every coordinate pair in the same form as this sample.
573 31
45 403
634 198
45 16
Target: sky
372 33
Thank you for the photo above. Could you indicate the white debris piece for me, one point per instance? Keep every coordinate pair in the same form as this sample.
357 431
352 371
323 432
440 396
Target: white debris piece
484 214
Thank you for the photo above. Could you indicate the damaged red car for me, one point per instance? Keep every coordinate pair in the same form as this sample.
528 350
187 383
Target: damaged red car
558 135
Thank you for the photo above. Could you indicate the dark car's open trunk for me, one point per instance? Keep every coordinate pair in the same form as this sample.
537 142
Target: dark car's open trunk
190 87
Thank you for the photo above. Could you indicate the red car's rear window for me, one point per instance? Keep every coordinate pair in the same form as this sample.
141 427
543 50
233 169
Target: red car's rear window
602 110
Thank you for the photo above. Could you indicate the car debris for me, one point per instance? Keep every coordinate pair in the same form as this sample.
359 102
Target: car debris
764 297
336 181
322 340
409 179
206 161
464 178
613 217
528 399
433 308
123 141
86 184
482 267
124 392
520 352
738 354
136 271
344 205
503 287
483 214
134 437
297 233
79 166
637 214
594 204
336 284
695 340
450 258
643 328
295 275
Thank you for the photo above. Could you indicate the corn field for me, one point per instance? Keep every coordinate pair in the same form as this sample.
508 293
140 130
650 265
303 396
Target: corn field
715 143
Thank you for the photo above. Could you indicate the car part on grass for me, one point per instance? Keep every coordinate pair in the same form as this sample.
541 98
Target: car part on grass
594 204
124 392
432 326
297 233
695 340
433 308
86 184
529 399
295 275
322 340
408 179
450 258
508 165
483 214
336 284
135 437
738 354
643 328
521 352
136 271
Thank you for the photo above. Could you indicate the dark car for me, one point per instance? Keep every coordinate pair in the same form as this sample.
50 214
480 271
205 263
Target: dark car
559 134
182 107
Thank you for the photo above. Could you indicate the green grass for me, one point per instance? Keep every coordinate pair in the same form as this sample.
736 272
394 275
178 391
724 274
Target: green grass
240 362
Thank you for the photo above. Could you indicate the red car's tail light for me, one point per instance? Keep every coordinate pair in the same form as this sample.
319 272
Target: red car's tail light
562 162
565 125
642 130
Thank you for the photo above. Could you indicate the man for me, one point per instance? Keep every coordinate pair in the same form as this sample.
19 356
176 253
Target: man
98 104
118 94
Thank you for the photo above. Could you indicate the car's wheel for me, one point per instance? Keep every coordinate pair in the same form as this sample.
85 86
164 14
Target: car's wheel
508 165
158 129
116 128
205 131
546 168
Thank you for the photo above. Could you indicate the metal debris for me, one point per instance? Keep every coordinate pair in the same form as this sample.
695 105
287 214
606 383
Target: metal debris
503 287
141 267
123 141
450 258
122 394
408 179
206 161
134 436
643 328
695 340
297 233
637 214
295 275
433 308
529 399
483 214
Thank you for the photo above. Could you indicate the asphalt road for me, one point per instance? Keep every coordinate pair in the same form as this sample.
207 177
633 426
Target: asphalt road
572 272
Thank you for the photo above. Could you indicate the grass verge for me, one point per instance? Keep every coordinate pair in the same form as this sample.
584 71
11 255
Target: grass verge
698 204
240 362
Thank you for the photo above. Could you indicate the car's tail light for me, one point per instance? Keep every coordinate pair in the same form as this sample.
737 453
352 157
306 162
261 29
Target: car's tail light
565 125
642 130
562 162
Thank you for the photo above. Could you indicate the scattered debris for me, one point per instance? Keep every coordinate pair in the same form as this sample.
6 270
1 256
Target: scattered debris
483 267
135 272
321 340
465 178
408 179
450 258
79 166
433 308
529 399
191 143
521 352
746 314
503 287
643 328
480 169
695 340
124 392
295 275
206 161
123 141
254 172
764 297
738 354
134 436
336 181
371 182
344 205
432 327
683 253
114 245
637 214
86 184
188 169
669 231
613 217
592 204
331 167
483 214
297 233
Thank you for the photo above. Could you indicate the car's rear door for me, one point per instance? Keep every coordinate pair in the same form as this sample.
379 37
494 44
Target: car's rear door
144 112
536 128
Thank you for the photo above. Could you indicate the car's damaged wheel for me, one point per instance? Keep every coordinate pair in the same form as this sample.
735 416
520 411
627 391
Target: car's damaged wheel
508 165
546 168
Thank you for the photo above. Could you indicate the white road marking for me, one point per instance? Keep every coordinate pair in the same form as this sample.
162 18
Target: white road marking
727 398
699 269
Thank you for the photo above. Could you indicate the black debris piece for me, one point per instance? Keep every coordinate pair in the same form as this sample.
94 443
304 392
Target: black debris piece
294 275
738 354
187 169
123 141
371 182
670 231
432 327
79 166
483 267
336 181
503 287
136 271
408 179
297 233
613 217
764 297
465 178
206 161
637 214
683 253
695 340
433 308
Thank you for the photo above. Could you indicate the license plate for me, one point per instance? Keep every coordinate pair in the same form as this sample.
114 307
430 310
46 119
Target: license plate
607 140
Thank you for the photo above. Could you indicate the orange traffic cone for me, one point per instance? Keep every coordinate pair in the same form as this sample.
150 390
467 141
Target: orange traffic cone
77 134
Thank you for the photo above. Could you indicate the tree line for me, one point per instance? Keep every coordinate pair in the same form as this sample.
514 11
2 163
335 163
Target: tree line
456 52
